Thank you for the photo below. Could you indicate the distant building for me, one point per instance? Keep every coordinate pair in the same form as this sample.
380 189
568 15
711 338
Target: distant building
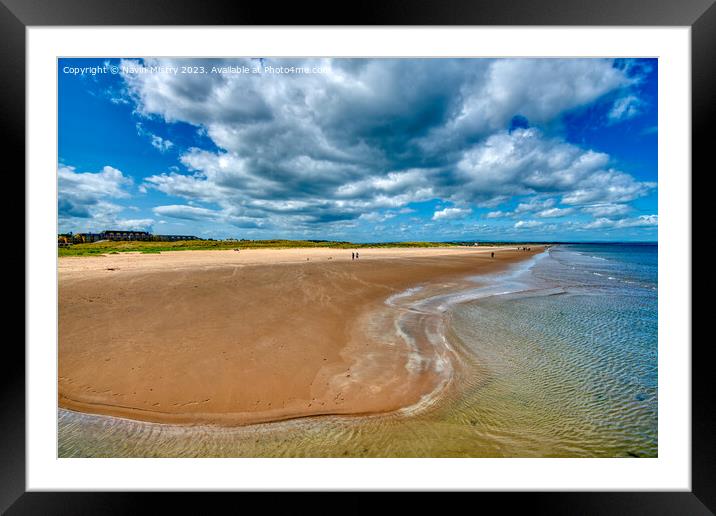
78 238
91 237
144 235
117 234
174 238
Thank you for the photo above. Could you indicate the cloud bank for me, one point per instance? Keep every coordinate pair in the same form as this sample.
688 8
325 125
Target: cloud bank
294 151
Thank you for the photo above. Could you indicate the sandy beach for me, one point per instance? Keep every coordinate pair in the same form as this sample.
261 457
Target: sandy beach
233 338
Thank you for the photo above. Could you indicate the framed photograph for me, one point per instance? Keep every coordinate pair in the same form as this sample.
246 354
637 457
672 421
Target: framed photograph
442 249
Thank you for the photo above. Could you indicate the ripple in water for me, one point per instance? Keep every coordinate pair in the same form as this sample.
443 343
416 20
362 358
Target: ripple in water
555 360
573 373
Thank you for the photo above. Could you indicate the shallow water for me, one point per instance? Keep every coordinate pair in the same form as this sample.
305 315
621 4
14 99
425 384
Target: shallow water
556 357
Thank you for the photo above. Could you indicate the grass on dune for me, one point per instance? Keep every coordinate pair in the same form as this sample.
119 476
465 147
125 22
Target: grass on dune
99 248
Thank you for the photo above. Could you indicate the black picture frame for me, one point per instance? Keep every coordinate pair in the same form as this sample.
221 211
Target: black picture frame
700 15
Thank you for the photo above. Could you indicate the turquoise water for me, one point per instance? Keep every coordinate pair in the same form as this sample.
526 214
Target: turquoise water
570 361
556 357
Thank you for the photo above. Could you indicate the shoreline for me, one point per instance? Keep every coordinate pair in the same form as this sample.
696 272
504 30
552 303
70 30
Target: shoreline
203 339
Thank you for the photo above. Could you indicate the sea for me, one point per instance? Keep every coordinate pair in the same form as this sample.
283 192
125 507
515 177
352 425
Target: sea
557 358
569 353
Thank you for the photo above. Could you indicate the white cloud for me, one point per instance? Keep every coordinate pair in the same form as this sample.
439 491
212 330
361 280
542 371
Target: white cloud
185 212
157 142
636 222
88 187
534 204
451 213
554 213
371 135
131 224
625 108
161 144
234 217
607 210
538 206
608 186
526 162
527 224
85 200
538 89
385 215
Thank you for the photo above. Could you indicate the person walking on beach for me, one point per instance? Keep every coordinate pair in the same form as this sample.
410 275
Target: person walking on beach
492 255
353 256
356 256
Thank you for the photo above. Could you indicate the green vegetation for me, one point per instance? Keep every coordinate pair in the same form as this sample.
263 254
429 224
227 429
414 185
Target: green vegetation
107 247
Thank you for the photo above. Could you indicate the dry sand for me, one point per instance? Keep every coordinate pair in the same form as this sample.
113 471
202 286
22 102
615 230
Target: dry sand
231 338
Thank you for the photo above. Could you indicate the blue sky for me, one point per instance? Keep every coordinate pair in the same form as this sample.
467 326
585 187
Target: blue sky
365 150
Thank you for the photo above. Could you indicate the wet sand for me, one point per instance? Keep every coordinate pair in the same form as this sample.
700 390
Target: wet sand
233 338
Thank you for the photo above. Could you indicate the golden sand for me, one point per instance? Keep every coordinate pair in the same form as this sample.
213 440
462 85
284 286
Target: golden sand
231 338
